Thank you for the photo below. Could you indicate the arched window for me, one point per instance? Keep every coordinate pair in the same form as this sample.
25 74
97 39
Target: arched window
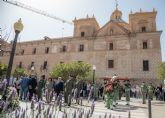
111 31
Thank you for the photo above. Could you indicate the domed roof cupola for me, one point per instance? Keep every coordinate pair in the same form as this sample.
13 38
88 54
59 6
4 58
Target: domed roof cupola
117 14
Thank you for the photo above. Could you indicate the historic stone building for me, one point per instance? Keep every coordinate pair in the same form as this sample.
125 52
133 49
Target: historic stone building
127 49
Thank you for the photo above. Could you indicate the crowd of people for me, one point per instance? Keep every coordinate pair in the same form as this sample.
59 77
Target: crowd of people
157 91
29 86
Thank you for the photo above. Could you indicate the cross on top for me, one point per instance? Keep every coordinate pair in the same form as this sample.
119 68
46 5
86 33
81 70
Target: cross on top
116 4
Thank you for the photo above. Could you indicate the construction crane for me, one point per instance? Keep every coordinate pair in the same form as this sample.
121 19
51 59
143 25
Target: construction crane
41 12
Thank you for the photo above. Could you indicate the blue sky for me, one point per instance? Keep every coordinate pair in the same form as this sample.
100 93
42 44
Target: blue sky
37 26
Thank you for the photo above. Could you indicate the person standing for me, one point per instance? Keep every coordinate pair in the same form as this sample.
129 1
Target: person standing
150 91
109 98
24 87
116 92
160 92
88 89
127 91
101 89
164 93
49 89
69 85
137 89
32 86
144 92
41 86
17 85
58 86
96 91
12 81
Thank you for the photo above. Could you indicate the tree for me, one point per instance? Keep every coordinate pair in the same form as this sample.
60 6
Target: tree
161 70
79 70
3 69
19 72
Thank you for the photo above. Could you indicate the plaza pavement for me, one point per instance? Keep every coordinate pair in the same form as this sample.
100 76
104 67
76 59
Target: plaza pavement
137 110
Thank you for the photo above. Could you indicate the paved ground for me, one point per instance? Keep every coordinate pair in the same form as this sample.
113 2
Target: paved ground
158 109
137 110
121 111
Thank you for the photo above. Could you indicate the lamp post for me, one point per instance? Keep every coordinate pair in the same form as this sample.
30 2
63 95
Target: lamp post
18 27
94 69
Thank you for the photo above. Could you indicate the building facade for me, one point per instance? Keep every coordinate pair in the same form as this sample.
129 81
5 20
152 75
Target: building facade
127 49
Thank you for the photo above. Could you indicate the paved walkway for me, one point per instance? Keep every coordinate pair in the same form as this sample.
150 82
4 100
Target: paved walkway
121 111
158 109
137 110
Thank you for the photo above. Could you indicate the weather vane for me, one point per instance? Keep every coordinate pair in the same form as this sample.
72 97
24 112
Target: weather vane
116 4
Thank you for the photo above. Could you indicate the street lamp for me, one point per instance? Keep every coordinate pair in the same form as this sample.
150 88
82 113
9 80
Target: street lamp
18 27
94 69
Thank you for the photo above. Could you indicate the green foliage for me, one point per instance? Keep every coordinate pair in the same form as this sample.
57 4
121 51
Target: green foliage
161 71
19 72
79 70
3 69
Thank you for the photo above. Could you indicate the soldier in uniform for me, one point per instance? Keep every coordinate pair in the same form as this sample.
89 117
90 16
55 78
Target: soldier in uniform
109 96
127 91
116 91
144 92
115 88
96 91
150 91
69 84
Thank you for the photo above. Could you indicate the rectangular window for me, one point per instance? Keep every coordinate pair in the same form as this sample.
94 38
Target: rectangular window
145 65
145 45
110 63
34 51
82 34
45 64
143 29
20 64
63 48
110 46
81 48
46 50
22 52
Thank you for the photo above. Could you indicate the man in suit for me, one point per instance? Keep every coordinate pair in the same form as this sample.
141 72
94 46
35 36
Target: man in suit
58 86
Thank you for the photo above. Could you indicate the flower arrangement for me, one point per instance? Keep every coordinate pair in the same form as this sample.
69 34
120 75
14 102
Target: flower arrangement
9 100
